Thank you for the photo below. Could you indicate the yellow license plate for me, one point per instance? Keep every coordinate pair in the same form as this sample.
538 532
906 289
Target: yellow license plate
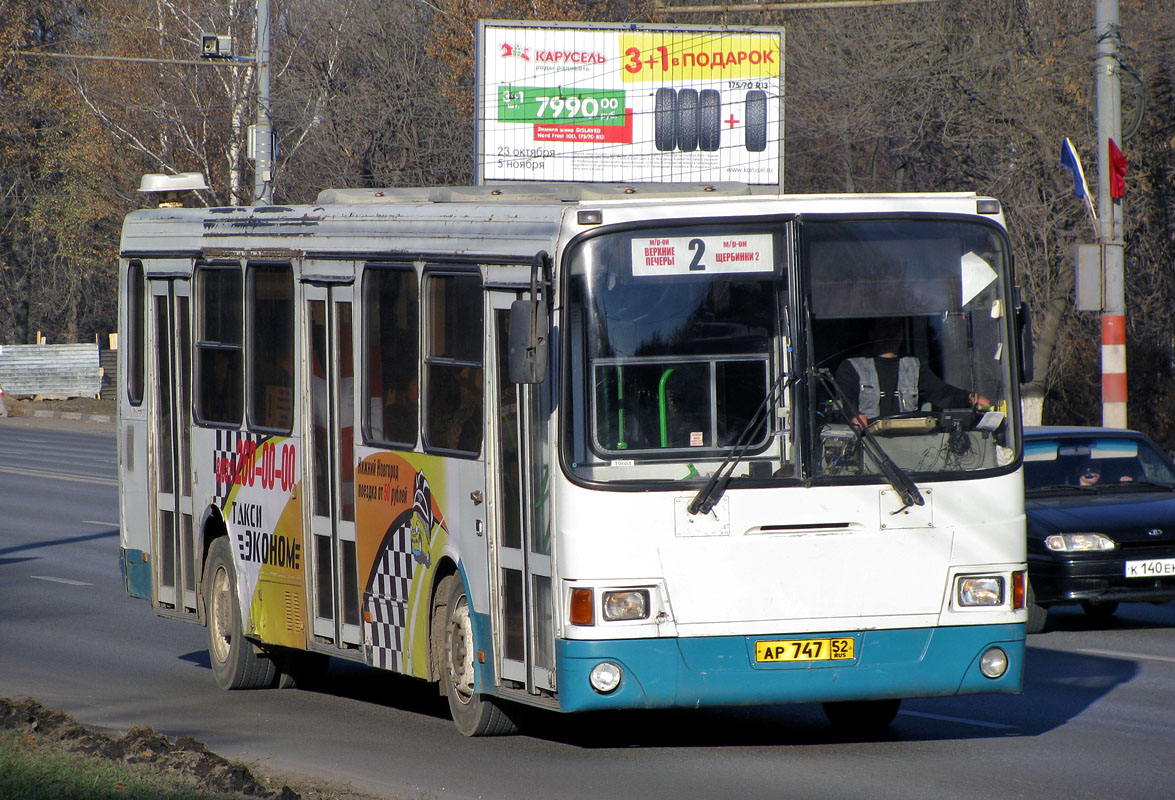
772 652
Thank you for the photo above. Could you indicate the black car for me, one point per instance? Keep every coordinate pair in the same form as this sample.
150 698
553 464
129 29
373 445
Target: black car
1101 520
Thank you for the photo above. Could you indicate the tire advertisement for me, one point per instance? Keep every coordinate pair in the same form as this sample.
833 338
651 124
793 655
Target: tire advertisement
634 103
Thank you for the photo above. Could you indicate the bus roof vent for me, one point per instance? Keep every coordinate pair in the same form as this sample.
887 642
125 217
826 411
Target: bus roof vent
171 187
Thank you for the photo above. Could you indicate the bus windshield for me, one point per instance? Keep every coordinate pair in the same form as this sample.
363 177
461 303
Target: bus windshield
910 318
677 335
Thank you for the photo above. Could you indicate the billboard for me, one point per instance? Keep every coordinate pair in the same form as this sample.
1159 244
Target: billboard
629 103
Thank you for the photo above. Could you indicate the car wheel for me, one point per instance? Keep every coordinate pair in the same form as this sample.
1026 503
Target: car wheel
474 713
1037 615
1097 610
862 717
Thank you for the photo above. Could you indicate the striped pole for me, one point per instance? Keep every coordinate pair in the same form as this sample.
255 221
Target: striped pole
1110 216
1114 370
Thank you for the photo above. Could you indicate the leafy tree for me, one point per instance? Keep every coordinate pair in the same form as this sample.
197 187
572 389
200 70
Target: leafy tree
56 271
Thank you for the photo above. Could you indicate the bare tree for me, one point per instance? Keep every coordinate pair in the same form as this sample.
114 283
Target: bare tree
172 117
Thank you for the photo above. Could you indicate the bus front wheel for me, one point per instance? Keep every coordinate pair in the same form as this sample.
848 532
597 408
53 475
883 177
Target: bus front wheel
1038 615
235 662
862 716
474 713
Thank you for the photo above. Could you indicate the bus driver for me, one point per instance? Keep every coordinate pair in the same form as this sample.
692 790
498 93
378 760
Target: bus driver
884 383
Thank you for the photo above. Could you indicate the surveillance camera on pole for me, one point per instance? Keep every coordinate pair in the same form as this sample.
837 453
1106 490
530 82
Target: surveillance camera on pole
215 46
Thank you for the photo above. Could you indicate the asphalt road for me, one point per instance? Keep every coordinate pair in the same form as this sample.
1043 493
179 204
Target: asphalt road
1095 720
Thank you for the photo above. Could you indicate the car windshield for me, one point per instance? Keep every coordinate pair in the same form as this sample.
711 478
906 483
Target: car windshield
1094 461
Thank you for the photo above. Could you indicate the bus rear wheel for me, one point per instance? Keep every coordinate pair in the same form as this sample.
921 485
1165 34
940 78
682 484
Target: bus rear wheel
474 713
862 717
235 662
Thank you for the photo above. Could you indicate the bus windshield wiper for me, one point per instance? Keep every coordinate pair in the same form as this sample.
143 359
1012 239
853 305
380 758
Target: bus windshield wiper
709 495
897 477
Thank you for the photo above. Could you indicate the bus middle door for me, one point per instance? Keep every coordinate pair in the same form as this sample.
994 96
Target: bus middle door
329 414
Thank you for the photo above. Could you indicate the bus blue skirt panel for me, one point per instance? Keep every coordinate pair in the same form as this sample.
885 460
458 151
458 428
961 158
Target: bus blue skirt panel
136 572
723 670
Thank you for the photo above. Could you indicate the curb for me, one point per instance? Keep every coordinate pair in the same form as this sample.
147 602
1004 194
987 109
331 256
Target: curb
74 415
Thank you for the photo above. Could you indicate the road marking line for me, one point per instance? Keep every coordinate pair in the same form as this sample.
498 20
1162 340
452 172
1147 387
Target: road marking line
1117 654
60 580
60 476
963 720
98 522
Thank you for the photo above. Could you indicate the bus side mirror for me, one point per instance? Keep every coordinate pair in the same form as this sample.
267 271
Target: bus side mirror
1024 342
528 341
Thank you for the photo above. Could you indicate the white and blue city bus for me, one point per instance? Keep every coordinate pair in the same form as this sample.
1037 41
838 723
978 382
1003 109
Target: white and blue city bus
579 447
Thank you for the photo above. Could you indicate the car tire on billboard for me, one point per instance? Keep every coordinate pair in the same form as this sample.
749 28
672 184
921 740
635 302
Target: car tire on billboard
687 120
665 120
756 114
709 125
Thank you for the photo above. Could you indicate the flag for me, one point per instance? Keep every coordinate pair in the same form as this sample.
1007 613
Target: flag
1118 164
1072 162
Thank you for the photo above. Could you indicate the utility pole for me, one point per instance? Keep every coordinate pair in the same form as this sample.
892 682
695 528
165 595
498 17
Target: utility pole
1109 125
262 138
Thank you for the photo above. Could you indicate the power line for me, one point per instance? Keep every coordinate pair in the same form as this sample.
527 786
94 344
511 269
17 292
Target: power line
204 62
798 5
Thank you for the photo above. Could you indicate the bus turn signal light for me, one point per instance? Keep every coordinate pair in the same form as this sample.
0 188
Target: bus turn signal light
582 602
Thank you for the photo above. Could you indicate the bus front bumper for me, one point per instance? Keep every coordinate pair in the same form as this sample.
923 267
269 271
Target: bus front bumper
722 670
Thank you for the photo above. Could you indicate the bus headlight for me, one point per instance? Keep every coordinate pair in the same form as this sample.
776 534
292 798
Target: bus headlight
605 677
981 590
626 604
993 663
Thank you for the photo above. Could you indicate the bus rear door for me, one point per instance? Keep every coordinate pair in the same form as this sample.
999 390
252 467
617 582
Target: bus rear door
172 533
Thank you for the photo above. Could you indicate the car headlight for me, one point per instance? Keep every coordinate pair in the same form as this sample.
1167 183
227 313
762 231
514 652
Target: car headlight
981 590
626 604
1079 542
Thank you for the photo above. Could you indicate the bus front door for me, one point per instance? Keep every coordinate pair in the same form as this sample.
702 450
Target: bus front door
172 533
329 413
520 554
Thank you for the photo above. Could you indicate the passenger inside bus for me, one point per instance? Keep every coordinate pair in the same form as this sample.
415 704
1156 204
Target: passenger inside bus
883 383
455 409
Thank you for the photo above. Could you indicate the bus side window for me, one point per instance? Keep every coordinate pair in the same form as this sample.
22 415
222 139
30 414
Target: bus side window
453 389
218 347
391 308
136 289
271 346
